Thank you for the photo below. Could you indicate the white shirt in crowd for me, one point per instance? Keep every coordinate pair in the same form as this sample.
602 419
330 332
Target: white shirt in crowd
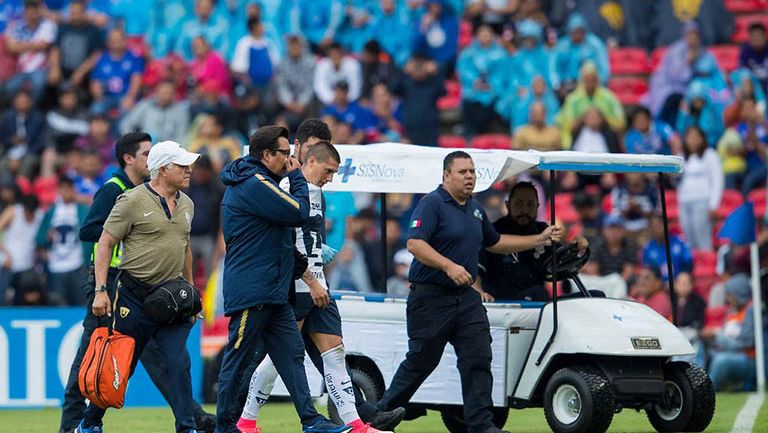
702 180
45 31
20 239
66 254
326 77
241 59
590 141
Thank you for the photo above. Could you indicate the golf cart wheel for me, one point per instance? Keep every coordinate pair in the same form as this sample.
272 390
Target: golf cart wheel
689 400
364 382
453 418
578 400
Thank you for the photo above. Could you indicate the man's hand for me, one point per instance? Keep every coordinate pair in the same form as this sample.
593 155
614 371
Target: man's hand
486 297
291 163
458 275
127 103
54 75
582 244
319 294
551 234
101 305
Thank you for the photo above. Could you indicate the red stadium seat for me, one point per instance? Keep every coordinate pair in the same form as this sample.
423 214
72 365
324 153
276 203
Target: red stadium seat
727 56
745 6
673 212
703 285
629 90
731 200
492 141
564 210
704 263
450 141
758 198
452 98
628 61
742 22
657 56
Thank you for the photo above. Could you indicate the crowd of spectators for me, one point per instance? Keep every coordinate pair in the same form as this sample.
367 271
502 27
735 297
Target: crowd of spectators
76 74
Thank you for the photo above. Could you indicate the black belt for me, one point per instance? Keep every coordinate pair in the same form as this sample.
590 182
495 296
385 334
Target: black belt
134 285
438 289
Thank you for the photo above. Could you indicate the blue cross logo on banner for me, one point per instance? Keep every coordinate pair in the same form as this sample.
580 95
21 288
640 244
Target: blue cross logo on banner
346 170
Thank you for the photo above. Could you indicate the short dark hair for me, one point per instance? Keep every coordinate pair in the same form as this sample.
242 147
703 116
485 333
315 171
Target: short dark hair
457 154
372 47
33 3
266 138
313 127
641 110
756 26
29 202
128 144
323 150
65 180
523 185
335 46
253 22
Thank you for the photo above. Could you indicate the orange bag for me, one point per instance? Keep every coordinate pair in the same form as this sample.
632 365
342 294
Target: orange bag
106 367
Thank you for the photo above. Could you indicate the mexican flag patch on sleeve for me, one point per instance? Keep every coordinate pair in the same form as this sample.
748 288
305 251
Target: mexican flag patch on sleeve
415 224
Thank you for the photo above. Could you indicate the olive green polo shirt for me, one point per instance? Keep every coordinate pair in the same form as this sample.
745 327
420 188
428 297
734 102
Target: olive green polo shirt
154 240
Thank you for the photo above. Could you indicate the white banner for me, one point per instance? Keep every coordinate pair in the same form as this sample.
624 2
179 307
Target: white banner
406 168
402 168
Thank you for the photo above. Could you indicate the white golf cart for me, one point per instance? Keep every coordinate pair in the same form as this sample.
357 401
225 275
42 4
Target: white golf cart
582 358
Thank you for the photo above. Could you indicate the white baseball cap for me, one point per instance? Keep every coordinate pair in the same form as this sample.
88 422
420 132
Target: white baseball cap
169 152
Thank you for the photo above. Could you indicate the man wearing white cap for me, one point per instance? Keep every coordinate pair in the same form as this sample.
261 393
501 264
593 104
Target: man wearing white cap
153 222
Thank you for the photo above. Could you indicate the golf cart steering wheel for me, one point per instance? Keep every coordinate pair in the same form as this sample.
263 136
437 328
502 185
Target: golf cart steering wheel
569 263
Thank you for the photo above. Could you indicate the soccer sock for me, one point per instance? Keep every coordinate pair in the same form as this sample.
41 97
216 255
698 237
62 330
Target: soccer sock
262 382
339 384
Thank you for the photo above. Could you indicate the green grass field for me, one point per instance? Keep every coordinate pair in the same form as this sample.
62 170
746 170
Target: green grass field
281 418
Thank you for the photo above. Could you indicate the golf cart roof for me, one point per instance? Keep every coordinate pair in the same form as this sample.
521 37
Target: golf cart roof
406 168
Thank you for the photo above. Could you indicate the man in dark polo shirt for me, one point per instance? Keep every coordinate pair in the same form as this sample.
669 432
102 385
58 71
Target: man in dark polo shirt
448 229
518 276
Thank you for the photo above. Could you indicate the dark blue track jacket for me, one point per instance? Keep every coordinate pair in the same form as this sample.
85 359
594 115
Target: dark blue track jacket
258 220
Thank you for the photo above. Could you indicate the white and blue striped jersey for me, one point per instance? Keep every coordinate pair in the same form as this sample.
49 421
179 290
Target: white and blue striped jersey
311 236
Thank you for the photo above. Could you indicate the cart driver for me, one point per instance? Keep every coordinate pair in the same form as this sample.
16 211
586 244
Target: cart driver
517 276
447 230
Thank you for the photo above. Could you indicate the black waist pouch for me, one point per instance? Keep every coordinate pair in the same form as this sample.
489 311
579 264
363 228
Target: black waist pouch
173 301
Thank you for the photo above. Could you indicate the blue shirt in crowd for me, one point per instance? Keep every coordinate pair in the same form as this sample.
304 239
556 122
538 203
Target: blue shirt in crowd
115 74
477 63
655 141
655 256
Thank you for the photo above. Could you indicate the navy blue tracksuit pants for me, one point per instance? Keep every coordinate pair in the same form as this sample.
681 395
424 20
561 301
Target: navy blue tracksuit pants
437 316
269 329
151 358
172 341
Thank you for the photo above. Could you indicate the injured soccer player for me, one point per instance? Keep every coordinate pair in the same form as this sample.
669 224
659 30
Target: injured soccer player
318 316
